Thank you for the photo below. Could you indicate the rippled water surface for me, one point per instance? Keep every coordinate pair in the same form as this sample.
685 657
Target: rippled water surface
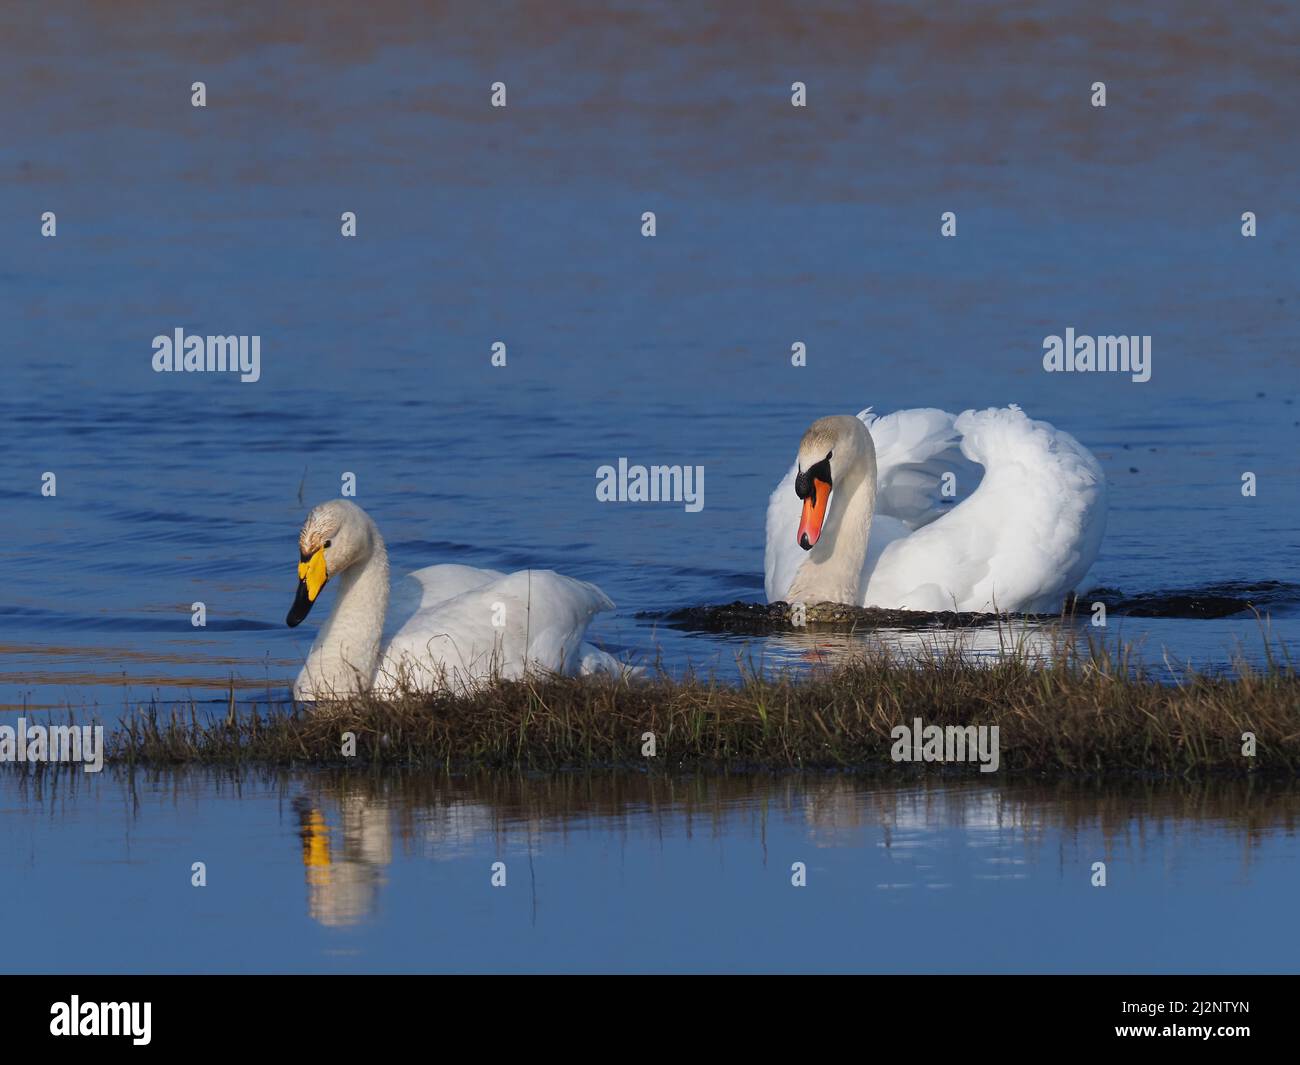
522 225
776 225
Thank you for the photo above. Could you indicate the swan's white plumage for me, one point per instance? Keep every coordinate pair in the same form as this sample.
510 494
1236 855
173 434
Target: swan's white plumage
1026 526
446 627
451 638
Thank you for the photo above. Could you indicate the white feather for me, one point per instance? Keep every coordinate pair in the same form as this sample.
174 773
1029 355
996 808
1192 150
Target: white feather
1025 527
472 625
447 627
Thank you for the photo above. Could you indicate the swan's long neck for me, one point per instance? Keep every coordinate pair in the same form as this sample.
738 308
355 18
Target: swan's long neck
345 655
832 572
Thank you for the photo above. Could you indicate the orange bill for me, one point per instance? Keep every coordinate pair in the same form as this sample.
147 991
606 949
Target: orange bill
814 513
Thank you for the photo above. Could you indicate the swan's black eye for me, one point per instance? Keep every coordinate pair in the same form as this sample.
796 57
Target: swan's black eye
803 482
328 542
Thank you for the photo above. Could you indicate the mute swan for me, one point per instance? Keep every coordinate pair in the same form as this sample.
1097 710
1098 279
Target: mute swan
452 627
874 531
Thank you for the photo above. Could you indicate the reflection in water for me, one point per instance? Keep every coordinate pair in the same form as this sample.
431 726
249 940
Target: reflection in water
348 824
1035 641
396 869
345 864
343 883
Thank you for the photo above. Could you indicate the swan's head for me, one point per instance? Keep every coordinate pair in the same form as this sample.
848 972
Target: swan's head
335 536
831 449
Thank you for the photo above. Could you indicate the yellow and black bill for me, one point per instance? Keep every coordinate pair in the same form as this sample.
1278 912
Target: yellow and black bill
312 576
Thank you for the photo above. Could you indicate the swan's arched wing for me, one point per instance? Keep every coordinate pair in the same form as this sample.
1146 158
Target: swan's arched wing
502 627
1023 539
915 451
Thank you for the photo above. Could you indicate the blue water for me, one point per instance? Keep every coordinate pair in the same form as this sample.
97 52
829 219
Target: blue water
522 225
313 873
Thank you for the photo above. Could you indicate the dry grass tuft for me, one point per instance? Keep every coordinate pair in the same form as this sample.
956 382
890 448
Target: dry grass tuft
1082 714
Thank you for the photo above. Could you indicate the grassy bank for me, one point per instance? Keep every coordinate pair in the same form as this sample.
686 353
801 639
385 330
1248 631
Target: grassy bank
1081 715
